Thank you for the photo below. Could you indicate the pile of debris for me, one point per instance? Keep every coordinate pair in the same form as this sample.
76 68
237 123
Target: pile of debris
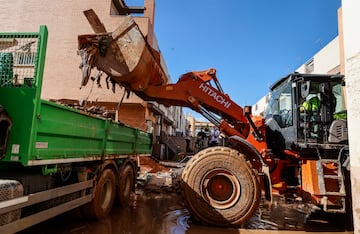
154 176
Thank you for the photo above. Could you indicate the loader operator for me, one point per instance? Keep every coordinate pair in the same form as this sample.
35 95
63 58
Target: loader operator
310 106
310 112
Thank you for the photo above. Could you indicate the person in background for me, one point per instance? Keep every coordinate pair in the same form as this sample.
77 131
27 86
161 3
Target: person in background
188 138
214 137
200 141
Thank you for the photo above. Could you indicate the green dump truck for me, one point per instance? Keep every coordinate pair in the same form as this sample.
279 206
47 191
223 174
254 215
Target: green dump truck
54 158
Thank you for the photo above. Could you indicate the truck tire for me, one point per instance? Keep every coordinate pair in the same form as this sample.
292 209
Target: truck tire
104 195
220 188
126 184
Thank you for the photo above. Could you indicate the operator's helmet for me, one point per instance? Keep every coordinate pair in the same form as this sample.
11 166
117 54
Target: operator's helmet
313 105
305 106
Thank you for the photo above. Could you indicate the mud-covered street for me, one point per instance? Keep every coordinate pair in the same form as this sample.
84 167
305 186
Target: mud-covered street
164 213
157 207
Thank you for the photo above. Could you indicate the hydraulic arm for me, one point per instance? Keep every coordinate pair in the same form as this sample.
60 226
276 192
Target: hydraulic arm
128 60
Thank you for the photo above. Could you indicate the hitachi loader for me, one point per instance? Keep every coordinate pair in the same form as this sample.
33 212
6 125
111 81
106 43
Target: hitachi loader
299 147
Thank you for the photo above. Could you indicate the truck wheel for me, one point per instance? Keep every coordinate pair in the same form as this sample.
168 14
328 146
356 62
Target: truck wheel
104 195
220 188
126 184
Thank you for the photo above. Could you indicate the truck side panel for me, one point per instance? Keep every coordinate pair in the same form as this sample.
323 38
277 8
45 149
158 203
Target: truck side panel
65 135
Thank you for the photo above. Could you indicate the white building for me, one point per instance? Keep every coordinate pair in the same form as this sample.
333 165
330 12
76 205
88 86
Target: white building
326 61
342 55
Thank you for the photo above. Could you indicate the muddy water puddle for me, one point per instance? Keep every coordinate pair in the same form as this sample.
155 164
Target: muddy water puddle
164 213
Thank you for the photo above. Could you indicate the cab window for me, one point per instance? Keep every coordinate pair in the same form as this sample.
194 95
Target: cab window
280 105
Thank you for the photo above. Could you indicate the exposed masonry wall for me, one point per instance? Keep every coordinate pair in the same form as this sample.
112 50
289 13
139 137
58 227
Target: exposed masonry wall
133 115
351 31
353 102
353 94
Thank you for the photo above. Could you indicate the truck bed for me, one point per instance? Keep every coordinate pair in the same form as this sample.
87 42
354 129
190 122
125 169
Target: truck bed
60 134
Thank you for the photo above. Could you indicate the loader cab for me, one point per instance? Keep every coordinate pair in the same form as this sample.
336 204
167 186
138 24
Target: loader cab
306 111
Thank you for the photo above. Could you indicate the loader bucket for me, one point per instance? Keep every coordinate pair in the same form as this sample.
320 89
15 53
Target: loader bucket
124 55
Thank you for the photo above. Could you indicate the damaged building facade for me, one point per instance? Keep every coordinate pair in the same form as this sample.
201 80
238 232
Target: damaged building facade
65 21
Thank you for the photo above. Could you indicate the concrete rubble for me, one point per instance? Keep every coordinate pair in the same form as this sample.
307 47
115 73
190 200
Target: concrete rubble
158 176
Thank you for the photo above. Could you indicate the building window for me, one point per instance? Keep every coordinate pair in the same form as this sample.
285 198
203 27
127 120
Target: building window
309 66
24 59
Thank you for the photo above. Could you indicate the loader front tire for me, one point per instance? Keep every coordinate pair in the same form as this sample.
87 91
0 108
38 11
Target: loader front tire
220 187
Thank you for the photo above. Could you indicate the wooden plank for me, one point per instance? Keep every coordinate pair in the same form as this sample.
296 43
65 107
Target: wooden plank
94 21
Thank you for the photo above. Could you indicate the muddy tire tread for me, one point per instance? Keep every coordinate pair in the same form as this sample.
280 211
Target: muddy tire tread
222 157
125 187
94 209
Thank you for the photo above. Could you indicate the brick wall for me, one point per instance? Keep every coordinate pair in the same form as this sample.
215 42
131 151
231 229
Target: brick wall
133 115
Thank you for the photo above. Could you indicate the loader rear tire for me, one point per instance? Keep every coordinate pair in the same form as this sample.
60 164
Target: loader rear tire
220 187
104 195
